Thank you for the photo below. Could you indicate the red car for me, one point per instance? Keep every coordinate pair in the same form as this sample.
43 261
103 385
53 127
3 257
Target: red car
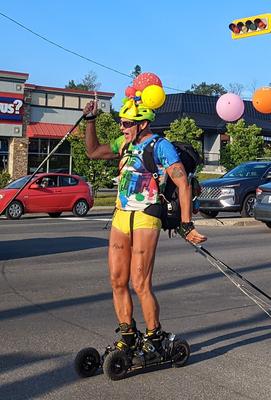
47 193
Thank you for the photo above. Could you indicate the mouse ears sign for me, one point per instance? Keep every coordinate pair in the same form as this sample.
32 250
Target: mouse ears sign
230 107
250 26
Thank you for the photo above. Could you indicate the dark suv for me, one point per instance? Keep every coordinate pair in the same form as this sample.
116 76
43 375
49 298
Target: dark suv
234 191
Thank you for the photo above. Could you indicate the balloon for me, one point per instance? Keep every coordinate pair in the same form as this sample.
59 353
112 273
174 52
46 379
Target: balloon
146 79
230 107
261 100
153 97
130 91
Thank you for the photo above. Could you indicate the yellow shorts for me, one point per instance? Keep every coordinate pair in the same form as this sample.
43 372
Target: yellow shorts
123 220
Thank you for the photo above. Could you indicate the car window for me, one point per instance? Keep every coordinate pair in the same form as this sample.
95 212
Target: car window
18 183
48 181
247 171
68 181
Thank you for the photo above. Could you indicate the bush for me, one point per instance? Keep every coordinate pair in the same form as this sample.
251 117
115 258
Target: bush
4 178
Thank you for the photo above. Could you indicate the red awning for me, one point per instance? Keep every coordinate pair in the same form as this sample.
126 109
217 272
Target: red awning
45 130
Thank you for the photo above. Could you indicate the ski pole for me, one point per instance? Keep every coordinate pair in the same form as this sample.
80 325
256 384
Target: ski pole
228 272
266 307
43 162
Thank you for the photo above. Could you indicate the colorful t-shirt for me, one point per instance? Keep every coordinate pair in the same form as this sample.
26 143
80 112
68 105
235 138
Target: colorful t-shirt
137 188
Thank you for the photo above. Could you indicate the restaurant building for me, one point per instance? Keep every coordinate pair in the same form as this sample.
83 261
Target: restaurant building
33 119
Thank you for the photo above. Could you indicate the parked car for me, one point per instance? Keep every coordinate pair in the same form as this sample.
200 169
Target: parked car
234 191
262 209
50 193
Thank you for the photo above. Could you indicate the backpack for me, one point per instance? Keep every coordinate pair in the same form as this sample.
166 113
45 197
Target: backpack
169 210
170 205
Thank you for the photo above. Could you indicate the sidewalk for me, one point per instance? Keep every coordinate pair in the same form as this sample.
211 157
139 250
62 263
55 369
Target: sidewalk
220 221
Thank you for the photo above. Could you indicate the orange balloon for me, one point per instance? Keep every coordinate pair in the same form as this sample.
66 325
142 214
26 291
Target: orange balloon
261 100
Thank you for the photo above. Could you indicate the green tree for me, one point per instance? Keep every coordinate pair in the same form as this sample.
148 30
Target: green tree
185 130
246 144
98 172
136 71
4 178
213 89
89 83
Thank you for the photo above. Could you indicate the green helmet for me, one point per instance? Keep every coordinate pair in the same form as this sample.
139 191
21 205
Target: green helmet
136 113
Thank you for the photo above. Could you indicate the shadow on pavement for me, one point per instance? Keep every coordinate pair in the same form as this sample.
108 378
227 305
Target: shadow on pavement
14 249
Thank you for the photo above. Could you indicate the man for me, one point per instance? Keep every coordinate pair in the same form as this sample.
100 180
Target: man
135 230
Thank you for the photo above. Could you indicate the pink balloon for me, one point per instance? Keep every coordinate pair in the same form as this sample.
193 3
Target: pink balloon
230 107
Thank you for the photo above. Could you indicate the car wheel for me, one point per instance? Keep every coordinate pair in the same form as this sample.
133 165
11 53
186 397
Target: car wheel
208 214
55 214
14 210
268 224
80 209
248 205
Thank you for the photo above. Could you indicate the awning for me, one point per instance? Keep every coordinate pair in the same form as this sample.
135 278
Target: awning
46 130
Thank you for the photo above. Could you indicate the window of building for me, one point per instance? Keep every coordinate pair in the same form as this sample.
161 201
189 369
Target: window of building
3 153
71 102
38 99
54 100
61 160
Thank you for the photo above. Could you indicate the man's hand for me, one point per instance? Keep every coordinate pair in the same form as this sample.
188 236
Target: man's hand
91 108
195 237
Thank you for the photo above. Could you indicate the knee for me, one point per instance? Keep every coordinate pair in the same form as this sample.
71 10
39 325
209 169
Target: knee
141 287
118 283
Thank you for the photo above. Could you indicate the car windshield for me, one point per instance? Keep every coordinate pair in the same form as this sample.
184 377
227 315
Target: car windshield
18 183
247 171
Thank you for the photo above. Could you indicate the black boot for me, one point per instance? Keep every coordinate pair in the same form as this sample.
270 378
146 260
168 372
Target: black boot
152 344
129 336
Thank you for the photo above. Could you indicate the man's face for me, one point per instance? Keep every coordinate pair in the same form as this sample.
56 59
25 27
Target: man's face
130 129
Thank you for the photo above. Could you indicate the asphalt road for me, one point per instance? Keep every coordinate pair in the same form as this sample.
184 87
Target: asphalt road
55 299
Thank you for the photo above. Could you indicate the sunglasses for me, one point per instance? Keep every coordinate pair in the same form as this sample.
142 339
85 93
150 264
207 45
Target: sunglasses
128 124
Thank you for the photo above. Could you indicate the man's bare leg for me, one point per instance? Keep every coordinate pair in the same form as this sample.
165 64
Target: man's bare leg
143 256
119 257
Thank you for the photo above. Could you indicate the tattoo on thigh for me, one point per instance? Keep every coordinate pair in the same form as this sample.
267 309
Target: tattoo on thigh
117 246
177 173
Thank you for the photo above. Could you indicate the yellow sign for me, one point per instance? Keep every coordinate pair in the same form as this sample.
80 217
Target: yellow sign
250 26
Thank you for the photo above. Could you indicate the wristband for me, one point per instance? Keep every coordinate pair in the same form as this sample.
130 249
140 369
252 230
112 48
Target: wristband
89 117
186 228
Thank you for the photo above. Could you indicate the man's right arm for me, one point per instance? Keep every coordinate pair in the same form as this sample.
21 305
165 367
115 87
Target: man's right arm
95 150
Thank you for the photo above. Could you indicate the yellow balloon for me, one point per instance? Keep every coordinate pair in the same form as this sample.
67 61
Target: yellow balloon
153 97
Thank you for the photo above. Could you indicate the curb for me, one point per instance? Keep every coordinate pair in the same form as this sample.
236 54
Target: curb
228 222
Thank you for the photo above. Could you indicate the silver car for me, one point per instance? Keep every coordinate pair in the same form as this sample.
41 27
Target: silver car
262 209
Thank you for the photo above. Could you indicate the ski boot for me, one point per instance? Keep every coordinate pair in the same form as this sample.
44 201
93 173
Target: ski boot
123 356
161 347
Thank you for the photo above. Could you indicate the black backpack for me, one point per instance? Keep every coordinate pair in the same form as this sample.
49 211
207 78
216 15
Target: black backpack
170 205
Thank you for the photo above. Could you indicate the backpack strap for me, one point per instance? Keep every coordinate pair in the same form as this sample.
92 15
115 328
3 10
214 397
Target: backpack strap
148 160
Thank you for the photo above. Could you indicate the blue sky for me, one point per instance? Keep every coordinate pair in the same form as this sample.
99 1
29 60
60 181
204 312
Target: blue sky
182 42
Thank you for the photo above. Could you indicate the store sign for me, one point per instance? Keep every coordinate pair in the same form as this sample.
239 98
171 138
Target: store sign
11 109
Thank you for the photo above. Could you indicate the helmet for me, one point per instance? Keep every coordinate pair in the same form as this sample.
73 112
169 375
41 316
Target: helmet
136 112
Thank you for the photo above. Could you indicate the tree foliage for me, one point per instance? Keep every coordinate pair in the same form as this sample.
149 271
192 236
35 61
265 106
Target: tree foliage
213 89
89 83
247 144
185 130
98 172
4 178
236 88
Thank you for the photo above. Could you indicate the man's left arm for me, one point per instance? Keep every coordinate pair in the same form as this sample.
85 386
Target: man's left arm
178 175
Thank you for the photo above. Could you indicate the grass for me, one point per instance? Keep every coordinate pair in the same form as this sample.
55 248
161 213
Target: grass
202 176
105 201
